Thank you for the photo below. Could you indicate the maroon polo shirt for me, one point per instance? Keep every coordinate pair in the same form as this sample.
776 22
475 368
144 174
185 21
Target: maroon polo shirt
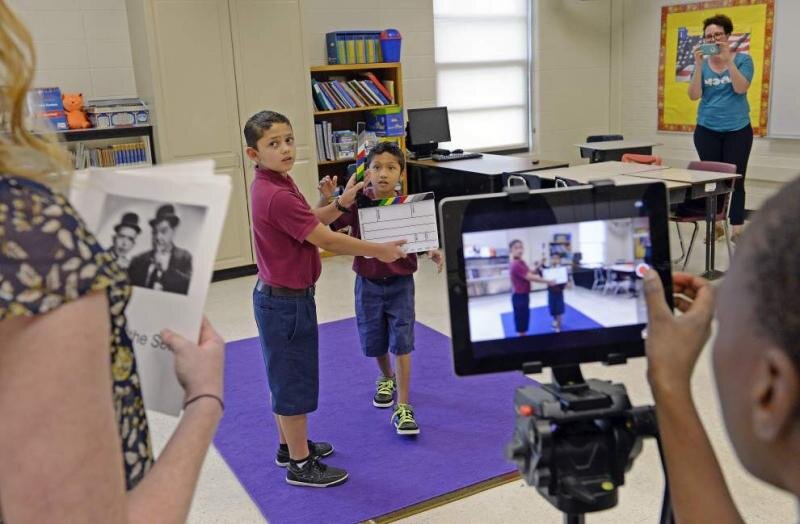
372 267
282 219
519 276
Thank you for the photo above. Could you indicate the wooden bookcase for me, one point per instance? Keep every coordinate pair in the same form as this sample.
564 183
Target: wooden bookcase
346 119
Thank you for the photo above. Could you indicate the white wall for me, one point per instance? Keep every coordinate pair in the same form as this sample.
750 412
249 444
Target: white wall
571 68
414 20
82 45
772 161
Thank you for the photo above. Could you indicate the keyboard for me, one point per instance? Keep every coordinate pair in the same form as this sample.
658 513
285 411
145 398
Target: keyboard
454 156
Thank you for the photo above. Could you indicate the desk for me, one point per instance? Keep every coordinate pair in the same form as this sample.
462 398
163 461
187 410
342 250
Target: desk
472 176
614 149
584 174
612 167
703 184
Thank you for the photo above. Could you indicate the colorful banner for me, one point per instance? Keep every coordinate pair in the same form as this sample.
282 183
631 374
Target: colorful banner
682 29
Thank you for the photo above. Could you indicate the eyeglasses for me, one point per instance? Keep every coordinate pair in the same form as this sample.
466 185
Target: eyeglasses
715 36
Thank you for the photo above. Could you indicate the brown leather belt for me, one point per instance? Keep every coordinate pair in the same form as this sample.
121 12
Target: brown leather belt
276 291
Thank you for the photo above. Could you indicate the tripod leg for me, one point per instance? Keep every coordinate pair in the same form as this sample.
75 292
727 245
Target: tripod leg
570 518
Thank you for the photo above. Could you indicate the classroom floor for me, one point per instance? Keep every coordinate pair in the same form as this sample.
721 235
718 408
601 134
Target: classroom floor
220 498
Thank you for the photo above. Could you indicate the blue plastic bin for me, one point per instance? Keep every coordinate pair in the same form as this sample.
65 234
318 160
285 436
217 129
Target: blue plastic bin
390 45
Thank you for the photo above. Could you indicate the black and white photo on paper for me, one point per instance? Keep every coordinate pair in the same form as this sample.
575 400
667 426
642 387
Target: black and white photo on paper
154 241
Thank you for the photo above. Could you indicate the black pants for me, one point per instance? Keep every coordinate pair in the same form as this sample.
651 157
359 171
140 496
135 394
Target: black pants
732 147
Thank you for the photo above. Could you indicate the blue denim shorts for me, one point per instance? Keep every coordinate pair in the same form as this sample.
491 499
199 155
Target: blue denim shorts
287 327
385 315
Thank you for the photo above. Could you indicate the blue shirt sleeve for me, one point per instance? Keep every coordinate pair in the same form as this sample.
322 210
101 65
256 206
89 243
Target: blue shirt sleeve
745 65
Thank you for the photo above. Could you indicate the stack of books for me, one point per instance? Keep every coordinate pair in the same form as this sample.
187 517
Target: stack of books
129 154
340 93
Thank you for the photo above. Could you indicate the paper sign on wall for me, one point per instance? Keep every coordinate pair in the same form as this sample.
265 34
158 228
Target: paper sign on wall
408 217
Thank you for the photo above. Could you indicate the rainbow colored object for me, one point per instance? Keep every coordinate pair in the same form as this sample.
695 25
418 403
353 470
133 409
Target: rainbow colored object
403 199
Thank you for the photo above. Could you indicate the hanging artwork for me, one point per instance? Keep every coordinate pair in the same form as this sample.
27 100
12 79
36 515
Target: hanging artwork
682 30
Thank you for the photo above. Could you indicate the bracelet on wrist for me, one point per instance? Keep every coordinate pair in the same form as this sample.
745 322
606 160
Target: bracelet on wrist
339 206
205 395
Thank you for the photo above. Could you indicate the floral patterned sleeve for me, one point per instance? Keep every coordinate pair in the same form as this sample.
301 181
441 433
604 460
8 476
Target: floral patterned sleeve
47 257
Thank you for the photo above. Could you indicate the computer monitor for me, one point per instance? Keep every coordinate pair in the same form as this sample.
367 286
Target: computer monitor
426 128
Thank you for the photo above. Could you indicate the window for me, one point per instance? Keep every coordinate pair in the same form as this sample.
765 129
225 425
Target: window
482 71
592 242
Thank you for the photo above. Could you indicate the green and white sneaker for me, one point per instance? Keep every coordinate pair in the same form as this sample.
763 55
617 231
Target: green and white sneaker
403 420
384 395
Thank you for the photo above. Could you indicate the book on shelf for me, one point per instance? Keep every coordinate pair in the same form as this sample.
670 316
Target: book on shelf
338 93
389 85
334 145
353 47
128 154
370 76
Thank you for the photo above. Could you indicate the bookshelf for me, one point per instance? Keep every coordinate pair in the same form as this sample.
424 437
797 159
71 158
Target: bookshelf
346 118
107 147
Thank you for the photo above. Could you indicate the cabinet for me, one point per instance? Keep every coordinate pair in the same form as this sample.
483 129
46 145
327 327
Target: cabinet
204 67
347 118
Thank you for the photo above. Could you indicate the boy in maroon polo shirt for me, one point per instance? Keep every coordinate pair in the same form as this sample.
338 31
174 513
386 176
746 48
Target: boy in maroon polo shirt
288 235
521 278
385 296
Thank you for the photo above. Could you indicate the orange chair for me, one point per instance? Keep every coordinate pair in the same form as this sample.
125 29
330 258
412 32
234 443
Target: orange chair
694 210
635 158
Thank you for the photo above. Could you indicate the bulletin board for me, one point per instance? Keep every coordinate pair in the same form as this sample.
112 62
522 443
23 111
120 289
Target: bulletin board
682 29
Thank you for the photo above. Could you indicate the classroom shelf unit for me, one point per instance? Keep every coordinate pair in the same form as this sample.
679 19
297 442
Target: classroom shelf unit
108 147
346 119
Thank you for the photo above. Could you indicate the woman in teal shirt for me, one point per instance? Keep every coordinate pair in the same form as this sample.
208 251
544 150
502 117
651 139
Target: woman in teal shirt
723 132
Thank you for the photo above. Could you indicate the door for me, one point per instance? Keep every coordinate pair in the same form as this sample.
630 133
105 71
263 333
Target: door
271 74
198 115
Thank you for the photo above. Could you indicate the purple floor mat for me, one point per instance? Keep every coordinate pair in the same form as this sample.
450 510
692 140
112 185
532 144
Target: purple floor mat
465 424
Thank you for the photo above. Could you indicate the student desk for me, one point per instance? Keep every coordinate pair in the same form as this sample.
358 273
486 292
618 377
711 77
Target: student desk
584 174
682 185
704 184
614 149
472 176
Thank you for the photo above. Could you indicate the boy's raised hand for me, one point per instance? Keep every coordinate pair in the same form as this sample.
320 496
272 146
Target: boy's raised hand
327 186
437 258
350 191
392 251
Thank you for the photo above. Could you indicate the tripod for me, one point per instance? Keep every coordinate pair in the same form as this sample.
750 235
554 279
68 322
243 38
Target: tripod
575 439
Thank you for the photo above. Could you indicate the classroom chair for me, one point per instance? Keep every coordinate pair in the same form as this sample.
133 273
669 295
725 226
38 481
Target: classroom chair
599 279
636 158
592 154
697 213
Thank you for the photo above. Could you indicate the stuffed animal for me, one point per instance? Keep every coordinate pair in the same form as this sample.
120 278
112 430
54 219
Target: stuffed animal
73 106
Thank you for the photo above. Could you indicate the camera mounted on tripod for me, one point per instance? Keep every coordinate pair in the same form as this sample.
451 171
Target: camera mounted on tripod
574 439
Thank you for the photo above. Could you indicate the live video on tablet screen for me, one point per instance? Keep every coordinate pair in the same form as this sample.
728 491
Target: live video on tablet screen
560 278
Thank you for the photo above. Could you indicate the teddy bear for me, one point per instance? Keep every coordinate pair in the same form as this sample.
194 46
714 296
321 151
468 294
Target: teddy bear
73 106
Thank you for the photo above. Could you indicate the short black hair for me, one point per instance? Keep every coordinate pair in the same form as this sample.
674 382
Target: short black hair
770 256
721 20
514 242
388 147
259 123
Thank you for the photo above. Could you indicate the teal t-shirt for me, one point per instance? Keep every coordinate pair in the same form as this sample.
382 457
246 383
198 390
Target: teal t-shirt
721 108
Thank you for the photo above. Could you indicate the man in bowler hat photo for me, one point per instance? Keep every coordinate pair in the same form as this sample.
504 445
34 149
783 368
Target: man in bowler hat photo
124 239
166 267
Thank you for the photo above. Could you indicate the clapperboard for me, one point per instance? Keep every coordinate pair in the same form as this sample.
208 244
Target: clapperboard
409 217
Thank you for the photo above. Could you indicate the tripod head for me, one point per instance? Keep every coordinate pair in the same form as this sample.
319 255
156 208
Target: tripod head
574 439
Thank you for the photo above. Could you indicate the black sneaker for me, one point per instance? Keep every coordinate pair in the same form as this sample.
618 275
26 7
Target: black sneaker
384 395
317 449
404 421
314 474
